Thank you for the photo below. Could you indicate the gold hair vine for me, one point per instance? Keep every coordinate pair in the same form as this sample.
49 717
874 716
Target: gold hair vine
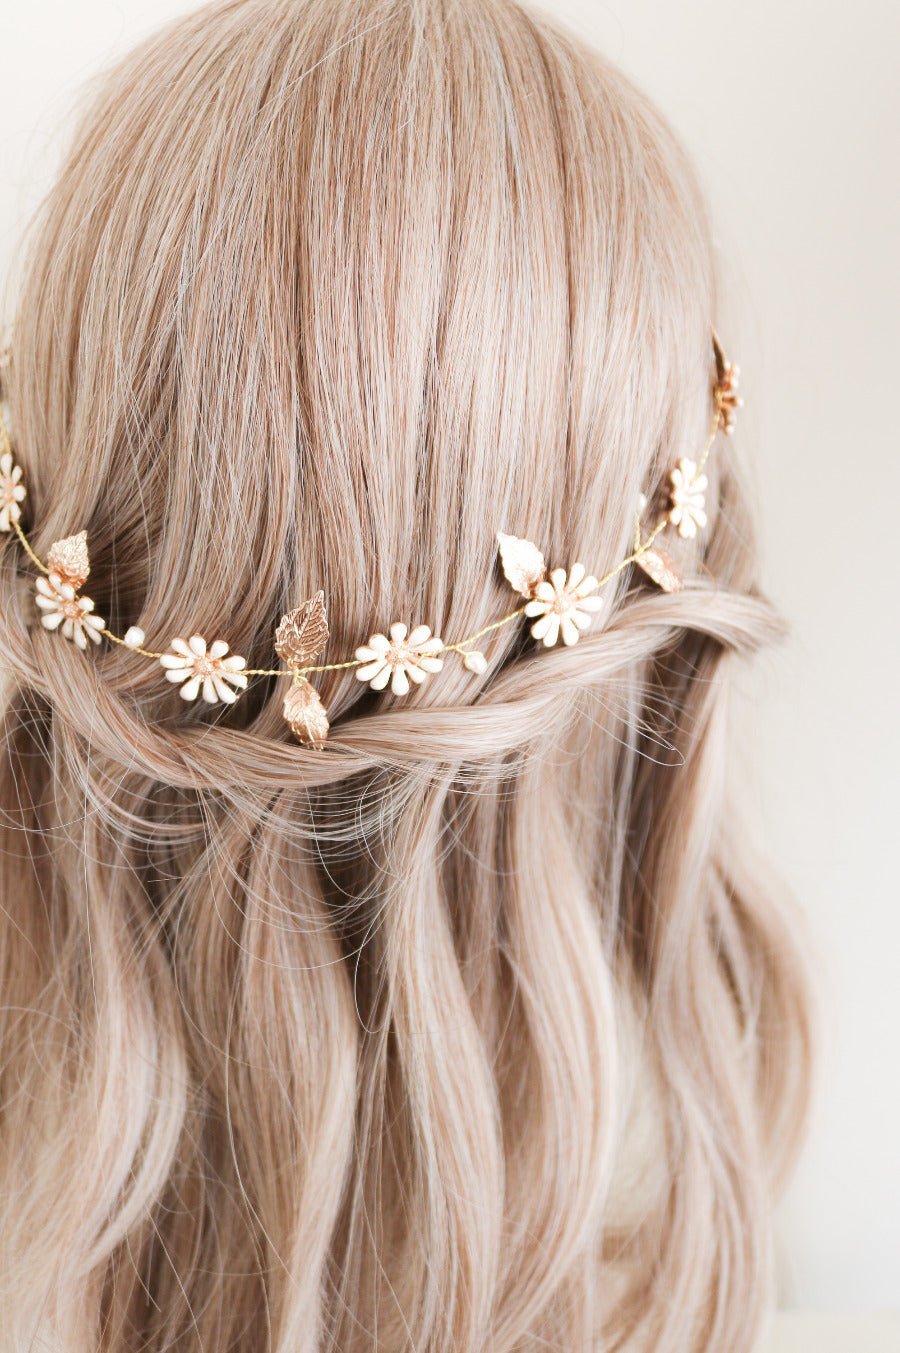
559 602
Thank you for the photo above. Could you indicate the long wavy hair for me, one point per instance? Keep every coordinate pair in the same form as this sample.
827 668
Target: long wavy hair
478 1030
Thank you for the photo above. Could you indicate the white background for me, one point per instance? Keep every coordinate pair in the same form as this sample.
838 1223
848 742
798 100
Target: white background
792 112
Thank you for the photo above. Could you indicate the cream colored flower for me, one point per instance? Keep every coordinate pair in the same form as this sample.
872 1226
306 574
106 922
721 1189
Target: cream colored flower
399 659
12 492
563 605
688 510
64 609
196 668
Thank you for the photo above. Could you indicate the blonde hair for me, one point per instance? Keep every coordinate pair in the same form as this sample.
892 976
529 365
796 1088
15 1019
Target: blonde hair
477 1031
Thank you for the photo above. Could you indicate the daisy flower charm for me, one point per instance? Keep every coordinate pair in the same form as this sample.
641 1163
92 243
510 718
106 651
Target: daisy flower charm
563 605
66 611
12 492
399 658
688 510
197 669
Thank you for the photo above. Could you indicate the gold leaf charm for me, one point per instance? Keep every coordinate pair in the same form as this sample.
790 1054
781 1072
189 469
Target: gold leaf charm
68 559
523 564
725 390
305 713
659 567
303 633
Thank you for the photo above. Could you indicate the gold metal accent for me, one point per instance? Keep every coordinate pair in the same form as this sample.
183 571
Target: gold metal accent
69 560
303 633
305 713
522 562
659 567
725 395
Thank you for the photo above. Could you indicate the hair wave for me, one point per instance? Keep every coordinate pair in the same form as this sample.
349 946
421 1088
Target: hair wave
480 1031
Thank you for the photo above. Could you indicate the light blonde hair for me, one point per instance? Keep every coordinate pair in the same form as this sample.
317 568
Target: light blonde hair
477 1031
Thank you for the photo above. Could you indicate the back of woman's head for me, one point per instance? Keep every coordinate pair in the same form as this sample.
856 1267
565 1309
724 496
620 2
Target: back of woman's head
474 1031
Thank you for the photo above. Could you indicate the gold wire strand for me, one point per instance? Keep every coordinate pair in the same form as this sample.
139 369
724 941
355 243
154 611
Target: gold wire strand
461 646
635 554
132 648
331 666
26 544
710 439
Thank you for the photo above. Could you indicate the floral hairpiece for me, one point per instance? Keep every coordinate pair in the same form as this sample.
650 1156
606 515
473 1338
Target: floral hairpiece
560 603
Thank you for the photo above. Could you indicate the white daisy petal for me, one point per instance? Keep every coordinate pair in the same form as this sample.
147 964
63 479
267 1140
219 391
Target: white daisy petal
591 604
52 620
210 694
419 636
234 664
569 629
370 670
381 679
536 608
197 645
415 673
397 633
540 627
576 574
551 634
431 664
400 682
218 648
224 691
191 689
